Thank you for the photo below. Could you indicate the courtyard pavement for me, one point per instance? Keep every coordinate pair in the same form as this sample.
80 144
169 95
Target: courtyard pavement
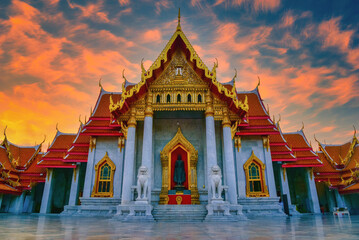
59 227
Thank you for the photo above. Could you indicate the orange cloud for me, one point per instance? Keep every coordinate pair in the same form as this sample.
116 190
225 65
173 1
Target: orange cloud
153 35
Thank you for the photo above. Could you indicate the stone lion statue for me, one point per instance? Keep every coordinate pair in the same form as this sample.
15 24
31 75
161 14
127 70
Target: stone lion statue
142 183
215 180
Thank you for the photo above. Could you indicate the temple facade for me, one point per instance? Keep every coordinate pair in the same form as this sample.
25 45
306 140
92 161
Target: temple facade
177 144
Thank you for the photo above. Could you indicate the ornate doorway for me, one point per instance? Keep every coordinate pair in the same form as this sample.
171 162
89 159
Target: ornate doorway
179 146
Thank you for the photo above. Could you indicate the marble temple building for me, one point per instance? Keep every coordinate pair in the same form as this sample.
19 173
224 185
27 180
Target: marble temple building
178 145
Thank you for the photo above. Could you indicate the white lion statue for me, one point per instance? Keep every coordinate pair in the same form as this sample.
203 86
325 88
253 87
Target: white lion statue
215 178
142 183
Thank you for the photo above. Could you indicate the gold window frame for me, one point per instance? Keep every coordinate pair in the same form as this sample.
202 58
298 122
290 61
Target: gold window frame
254 159
104 160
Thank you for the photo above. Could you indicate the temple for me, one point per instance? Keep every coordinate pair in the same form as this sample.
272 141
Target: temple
179 145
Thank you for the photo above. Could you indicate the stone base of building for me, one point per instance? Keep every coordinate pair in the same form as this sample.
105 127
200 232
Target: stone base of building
93 207
261 206
221 211
134 212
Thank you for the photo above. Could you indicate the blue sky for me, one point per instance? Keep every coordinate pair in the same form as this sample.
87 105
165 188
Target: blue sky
53 52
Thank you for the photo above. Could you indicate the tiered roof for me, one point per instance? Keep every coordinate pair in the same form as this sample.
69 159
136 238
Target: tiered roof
180 42
101 122
54 157
18 169
303 151
341 166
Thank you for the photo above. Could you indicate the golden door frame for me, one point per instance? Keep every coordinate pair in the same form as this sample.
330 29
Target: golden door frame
192 157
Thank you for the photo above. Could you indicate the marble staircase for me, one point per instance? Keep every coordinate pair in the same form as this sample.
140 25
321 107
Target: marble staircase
179 213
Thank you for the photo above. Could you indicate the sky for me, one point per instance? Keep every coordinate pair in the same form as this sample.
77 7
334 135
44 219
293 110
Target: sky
53 53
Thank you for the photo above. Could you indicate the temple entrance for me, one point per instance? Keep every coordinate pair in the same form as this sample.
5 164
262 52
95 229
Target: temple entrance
179 172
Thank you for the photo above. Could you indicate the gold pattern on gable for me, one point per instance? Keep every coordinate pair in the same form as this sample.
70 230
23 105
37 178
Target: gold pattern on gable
170 77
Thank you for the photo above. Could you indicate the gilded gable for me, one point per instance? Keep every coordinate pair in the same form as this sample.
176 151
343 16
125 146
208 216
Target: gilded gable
178 72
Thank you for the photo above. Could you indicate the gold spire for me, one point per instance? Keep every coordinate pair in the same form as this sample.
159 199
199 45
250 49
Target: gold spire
179 20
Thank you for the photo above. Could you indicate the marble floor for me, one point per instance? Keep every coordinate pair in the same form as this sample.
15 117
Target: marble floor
59 227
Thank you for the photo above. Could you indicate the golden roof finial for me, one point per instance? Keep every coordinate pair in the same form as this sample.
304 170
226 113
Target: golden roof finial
268 109
99 83
43 140
179 19
142 67
5 131
355 131
302 127
259 82
91 112
234 81
280 118
57 127
80 119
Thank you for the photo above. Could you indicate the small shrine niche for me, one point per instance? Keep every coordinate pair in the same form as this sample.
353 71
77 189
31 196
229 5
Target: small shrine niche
179 70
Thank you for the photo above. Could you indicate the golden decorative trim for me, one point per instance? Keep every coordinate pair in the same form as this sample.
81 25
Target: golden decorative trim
104 160
234 128
121 143
75 173
162 58
124 129
254 159
92 143
132 121
149 111
237 142
209 104
226 122
311 173
192 157
284 170
179 200
265 140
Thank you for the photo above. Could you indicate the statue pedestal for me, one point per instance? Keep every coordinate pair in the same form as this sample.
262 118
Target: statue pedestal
138 211
219 210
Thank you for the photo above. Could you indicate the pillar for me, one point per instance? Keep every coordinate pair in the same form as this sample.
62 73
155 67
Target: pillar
117 181
47 194
74 191
128 171
269 168
210 138
339 199
90 169
1 197
229 158
19 203
147 141
312 191
284 184
240 170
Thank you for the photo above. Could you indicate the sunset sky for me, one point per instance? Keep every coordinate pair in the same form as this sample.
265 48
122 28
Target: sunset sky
53 53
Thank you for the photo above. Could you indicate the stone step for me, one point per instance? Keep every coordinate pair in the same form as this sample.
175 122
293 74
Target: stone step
175 213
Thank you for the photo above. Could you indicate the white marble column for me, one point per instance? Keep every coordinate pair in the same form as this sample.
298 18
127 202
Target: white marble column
312 191
339 199
210 138
240 171
90 168
284 184
229 159
74 190
128 171
269 168
47 194
147 141
118 176
19 204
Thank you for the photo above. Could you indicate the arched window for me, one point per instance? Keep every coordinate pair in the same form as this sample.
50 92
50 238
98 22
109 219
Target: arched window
179 98
189 98
168 98
103 186
199 98
105 179
255 184
158 99
255 176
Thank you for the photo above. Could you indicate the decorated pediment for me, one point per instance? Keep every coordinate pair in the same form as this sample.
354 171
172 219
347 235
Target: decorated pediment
178 74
